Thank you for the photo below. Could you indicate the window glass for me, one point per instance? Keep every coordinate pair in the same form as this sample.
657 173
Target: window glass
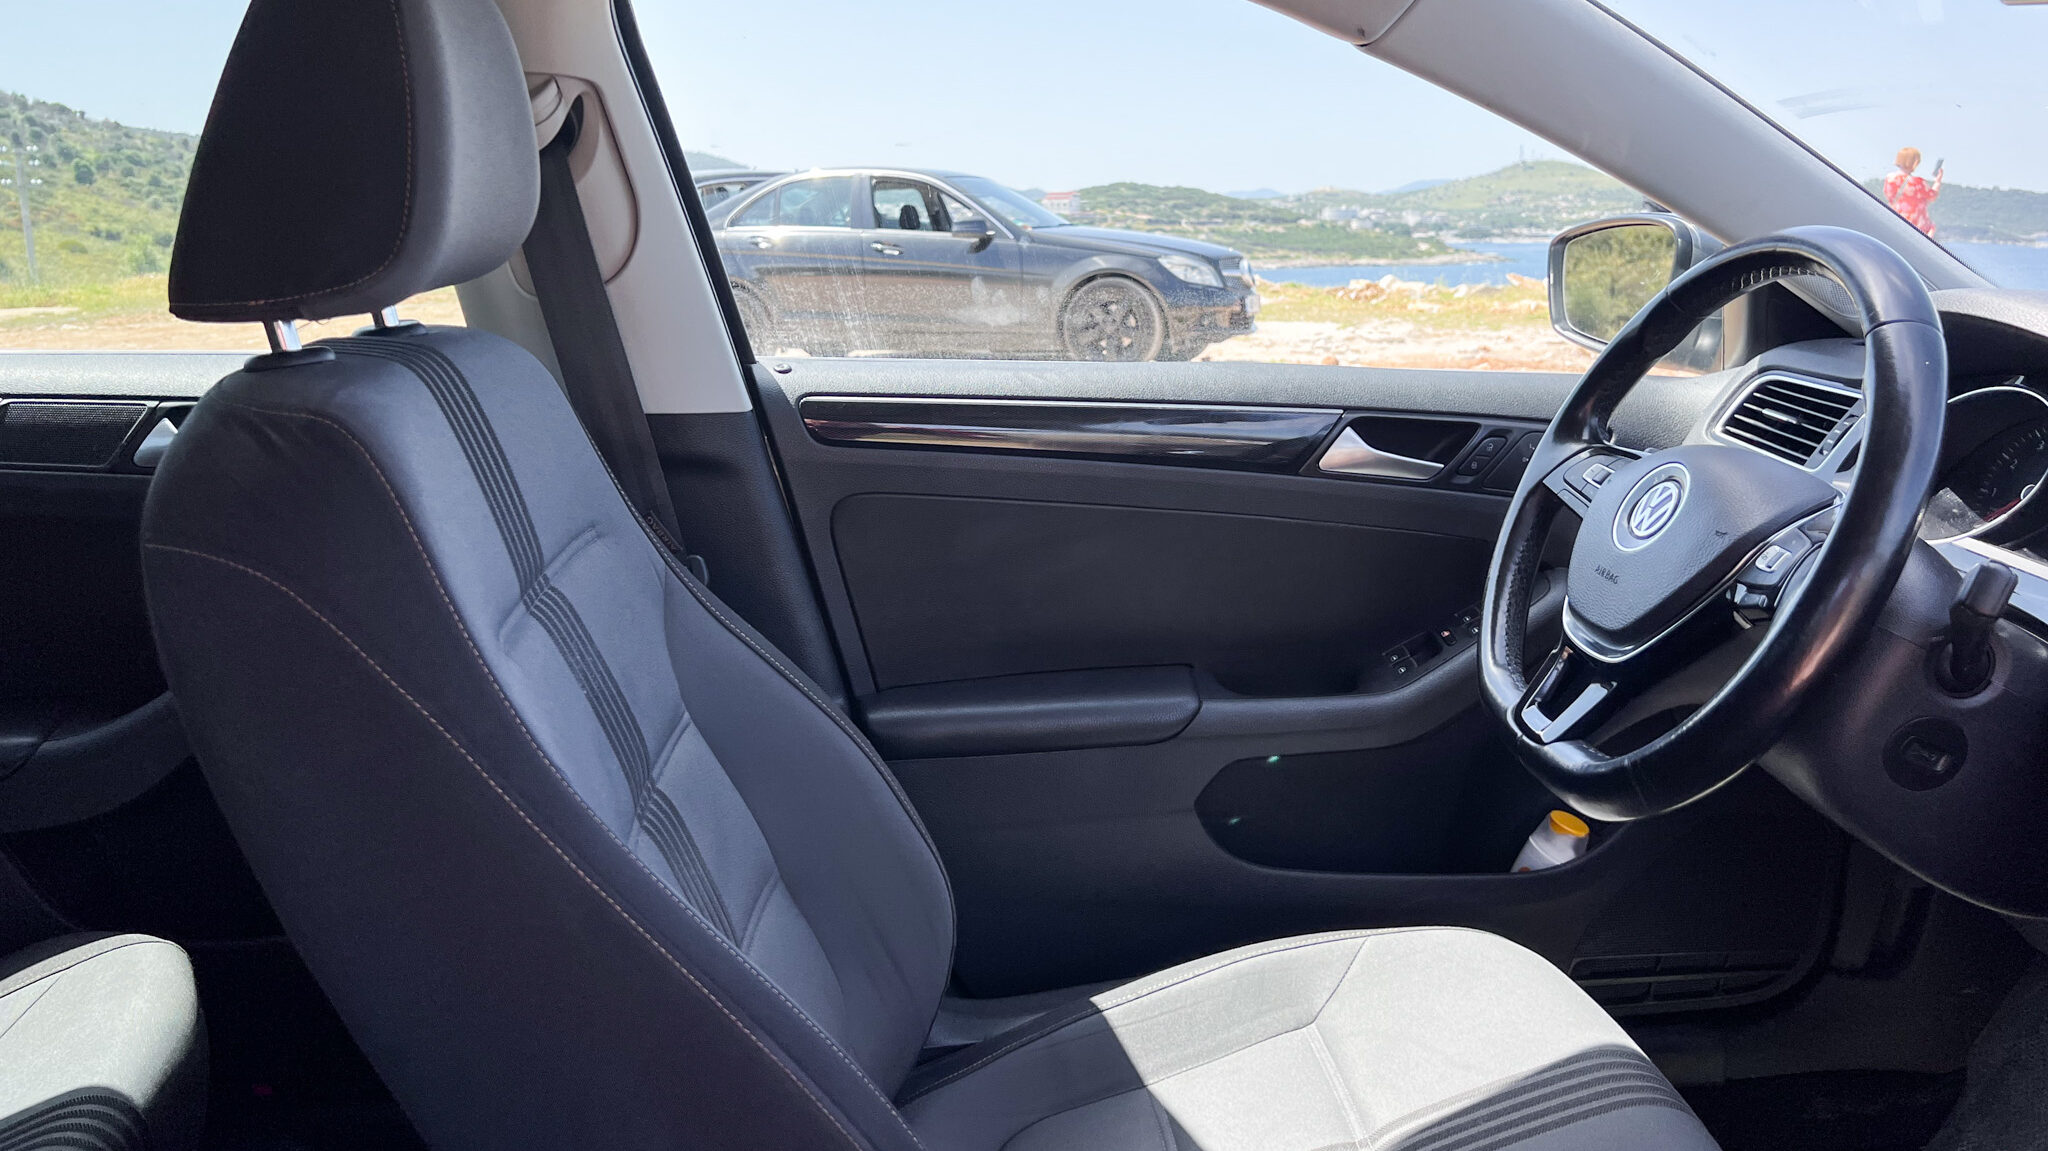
824 202
900 204
1934 106
99 123
759 214
1242 188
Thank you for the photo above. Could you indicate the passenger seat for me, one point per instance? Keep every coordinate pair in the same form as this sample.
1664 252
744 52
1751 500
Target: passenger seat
101 1046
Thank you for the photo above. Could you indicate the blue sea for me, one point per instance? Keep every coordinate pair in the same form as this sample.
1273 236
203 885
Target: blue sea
2007 265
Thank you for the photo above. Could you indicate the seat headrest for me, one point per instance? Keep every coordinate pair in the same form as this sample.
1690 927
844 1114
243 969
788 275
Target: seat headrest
357 152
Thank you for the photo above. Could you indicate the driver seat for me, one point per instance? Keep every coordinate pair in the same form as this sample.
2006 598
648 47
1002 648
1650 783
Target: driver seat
582 860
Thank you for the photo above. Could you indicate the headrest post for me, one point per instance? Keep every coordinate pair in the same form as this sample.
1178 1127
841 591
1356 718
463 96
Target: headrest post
386 317
283 335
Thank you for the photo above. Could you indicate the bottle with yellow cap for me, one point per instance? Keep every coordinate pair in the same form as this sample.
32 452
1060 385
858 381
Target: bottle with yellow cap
1558 839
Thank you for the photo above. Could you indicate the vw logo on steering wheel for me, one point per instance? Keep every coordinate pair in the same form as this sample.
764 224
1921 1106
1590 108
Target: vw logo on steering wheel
1651 507
1654 510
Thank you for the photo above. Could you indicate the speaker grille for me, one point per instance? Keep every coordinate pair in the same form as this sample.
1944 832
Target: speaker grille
57 434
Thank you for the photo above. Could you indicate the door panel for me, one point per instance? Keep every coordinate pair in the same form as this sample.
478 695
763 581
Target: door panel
1261 605
986 539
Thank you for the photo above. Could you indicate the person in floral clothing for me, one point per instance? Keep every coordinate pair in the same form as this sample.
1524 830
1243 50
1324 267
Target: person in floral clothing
1909 195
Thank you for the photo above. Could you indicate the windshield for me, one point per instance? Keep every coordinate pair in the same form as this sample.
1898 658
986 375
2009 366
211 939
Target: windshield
1010 205
1934 106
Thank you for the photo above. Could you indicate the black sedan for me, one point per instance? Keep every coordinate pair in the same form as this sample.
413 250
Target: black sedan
913 262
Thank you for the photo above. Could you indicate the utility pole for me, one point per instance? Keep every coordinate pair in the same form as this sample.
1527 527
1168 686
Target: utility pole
22 182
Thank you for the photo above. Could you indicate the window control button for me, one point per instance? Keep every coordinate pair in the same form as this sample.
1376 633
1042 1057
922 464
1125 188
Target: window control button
1774 557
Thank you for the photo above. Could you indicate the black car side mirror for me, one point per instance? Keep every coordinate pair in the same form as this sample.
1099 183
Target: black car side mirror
975 230
1603 272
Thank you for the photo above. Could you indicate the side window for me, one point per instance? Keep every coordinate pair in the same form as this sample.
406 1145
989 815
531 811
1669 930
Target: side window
1282 230
93 165
825 202
902 204
759 214
957 212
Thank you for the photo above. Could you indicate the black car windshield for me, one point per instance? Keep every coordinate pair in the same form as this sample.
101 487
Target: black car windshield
1010 205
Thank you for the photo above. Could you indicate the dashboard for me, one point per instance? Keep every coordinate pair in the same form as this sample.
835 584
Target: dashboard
1994 463
1803 402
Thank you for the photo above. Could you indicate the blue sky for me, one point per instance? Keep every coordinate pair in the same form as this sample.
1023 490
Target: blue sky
1219 94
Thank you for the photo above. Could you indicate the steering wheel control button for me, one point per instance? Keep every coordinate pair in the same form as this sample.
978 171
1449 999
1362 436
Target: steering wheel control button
1668 533
1926 753
1774 557
1596 474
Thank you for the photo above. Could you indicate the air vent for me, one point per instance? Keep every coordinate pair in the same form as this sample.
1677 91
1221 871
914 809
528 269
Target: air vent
1792 419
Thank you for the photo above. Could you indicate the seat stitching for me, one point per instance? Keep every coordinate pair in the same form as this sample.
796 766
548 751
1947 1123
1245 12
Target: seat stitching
761 902
1342 978
513 712
1594 1067
1328 1066
1165 1121
118 943
46 983
1093 1009
430 365
502 794
689 581
666 757
1145 1088
1328 1062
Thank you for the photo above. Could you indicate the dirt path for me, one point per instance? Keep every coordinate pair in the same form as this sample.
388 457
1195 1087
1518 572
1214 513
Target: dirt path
155 330
1392 343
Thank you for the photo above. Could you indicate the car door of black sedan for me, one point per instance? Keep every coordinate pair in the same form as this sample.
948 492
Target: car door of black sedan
941 291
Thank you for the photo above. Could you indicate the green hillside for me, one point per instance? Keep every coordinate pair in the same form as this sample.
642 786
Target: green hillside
107 206
1269 230
1531 198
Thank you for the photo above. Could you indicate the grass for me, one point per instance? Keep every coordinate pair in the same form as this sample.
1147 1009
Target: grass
84 301
1431 306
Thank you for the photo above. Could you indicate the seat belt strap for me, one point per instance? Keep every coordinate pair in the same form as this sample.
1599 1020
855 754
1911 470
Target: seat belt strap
596 374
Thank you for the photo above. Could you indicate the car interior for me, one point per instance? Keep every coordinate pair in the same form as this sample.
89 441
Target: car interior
580 729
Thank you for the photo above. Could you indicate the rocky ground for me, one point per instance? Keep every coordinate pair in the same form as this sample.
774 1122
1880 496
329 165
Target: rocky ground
1385 323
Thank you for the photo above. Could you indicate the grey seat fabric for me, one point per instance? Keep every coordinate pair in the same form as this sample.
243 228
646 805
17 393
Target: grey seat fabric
1423 1038
580 859
101 1047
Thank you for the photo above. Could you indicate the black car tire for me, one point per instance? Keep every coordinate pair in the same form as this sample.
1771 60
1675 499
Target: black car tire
754 318
1113 319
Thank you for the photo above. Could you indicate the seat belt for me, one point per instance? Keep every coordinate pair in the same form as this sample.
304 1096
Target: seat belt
596 375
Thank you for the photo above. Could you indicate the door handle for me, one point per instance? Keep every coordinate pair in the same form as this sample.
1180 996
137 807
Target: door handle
886 249
1350 455
763 242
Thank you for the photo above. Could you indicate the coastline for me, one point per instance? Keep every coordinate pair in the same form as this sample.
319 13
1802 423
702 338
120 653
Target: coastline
1307 261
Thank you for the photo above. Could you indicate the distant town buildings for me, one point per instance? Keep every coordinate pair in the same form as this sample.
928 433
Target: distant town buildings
1061 201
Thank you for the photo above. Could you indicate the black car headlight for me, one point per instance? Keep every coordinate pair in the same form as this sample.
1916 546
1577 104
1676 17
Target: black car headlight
1192 270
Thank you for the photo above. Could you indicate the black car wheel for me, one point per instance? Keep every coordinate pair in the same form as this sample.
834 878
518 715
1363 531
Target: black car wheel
1113 319
754 318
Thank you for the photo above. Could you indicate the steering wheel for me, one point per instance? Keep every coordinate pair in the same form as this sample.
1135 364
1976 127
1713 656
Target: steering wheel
1679 549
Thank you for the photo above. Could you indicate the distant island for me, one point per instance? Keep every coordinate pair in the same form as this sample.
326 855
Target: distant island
1416 224
1420 223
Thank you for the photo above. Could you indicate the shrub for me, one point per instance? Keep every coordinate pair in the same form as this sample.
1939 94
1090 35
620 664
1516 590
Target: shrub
82 172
